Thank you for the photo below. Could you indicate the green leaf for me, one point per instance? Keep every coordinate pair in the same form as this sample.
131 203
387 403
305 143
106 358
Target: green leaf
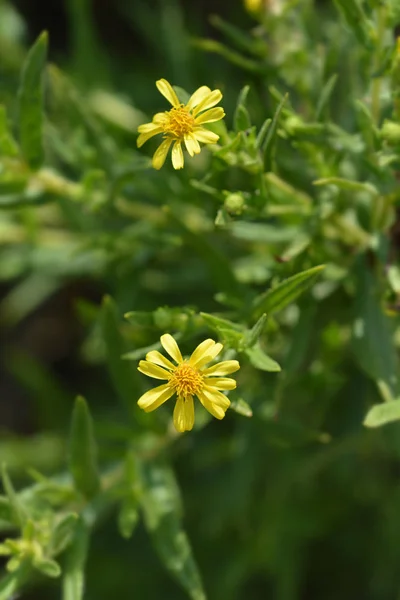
285 292
83 451
30 103
241 407
162 514
262 133
6 511
128 517
8 146
18 511
270 136
219 322
348 184
356 20
243 41
48 567
254 334
73 573
63 533
380 414
241 118
260 360
13 582
124 377
325 96
372 338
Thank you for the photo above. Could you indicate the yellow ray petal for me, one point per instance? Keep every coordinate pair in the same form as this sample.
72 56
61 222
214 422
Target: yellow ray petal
170 346
201 350
152 370
204 135
223 368
166 89
192 145
146 135
207 356
177 156
215 397
158 359
210 100
160 118
213 409
214 114
161 154
184 414
155 397
220 383
198 96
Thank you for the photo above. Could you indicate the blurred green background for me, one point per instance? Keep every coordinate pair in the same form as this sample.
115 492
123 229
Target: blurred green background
300 502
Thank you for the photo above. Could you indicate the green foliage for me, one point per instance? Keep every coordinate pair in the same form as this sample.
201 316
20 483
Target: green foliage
281 241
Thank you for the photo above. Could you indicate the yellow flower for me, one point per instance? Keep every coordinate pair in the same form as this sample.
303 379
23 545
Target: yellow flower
186 379
183 123
253 5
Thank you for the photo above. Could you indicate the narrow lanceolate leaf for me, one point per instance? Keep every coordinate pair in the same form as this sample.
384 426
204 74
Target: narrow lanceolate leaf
13 582
123 375
17 510
325 96
241 117
372 337
260 360
63 533
269 140
348 184
83 451
74 570
380 414
285 292
356 19
30 103
162 515
8 146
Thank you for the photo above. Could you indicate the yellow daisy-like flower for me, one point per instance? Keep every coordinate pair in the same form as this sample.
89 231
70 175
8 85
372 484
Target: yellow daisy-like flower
188 378
183 123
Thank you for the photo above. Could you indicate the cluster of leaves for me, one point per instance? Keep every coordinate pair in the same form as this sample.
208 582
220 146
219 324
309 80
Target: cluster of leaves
281 242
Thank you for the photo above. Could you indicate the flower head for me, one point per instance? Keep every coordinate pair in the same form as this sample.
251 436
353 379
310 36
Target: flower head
188 378
182 124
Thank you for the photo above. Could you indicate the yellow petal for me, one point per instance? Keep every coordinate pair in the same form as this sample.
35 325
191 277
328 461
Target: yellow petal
210 100
160 118
161 154
215 410
201 351
152 370
205 136
158 359
146 135
170 346
198 96
215 397
177 156
184 414
221 383
155 397
192 145
214 114
166 89
207 355
223 368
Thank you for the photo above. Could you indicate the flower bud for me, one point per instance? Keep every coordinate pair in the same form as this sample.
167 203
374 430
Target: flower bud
234 203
